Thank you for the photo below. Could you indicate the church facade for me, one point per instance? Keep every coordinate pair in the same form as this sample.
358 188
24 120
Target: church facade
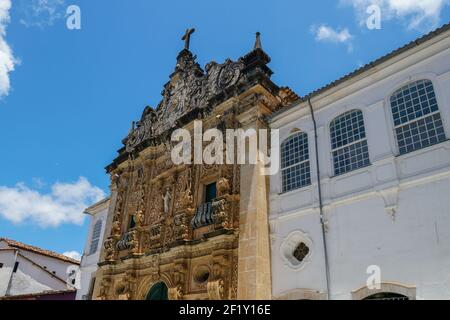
192 231
361 196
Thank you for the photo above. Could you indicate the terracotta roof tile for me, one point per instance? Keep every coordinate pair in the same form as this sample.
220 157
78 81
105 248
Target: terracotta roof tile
20 245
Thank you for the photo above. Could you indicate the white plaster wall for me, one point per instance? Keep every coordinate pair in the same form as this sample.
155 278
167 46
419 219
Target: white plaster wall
53 265
29 278
412 250
7 258
89 263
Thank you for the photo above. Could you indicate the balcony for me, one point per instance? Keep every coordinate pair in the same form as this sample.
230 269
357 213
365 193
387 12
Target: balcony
203 216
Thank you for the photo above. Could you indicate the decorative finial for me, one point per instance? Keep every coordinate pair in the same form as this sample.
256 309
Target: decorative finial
187 38
258 41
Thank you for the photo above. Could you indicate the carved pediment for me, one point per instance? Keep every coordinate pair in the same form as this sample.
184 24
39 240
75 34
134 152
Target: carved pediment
189 88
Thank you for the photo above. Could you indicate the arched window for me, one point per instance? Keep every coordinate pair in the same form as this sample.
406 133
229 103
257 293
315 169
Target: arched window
95 237
349 142
417 120
295 167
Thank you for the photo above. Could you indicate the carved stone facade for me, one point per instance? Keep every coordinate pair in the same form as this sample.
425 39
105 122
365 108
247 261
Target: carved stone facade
155 234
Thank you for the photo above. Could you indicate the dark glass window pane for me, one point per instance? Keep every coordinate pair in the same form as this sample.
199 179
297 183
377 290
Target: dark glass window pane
211 192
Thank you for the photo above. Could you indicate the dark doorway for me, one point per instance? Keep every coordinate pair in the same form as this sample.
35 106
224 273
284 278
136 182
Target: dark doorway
158 292
387 296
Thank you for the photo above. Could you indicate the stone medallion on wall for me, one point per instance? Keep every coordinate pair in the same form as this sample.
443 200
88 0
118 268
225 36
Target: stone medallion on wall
296 250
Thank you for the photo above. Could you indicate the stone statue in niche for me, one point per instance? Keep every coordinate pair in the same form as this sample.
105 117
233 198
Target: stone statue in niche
166 198
140 218
109 249
184 197
116 229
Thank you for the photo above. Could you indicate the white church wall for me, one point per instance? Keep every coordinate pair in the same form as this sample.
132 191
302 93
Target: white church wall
393 213
89 262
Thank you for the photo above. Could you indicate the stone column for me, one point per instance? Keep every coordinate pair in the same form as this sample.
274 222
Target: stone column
254 260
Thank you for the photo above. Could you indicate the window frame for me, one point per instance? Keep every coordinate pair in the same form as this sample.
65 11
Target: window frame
441 112
330 142
90 252
286 139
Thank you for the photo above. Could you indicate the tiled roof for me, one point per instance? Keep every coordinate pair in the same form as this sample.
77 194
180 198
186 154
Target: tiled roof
369 66
30 296
48 253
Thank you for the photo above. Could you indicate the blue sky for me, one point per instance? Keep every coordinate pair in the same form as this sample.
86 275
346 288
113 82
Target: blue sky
68 97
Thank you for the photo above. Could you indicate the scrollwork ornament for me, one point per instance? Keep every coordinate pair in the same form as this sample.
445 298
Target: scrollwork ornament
176 293
216 290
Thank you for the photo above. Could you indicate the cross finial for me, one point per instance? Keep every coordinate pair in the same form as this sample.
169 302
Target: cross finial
187 38
258 41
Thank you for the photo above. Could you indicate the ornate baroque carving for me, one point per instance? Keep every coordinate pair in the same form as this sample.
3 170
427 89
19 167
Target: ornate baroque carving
110 249
104 288
215 290
189 87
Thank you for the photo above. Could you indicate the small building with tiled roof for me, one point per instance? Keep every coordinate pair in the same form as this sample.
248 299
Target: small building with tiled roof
28 270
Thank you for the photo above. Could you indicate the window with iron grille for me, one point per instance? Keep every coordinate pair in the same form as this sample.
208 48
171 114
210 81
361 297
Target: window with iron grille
295 166
95 237
417 119
349 142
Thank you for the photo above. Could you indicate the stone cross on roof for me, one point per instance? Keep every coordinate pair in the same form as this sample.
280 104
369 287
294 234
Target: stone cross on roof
187 38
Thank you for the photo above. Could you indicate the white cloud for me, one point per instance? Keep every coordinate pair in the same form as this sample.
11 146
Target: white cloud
324 33
7 60
63 205
417 14
328 34
73 255
42 13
